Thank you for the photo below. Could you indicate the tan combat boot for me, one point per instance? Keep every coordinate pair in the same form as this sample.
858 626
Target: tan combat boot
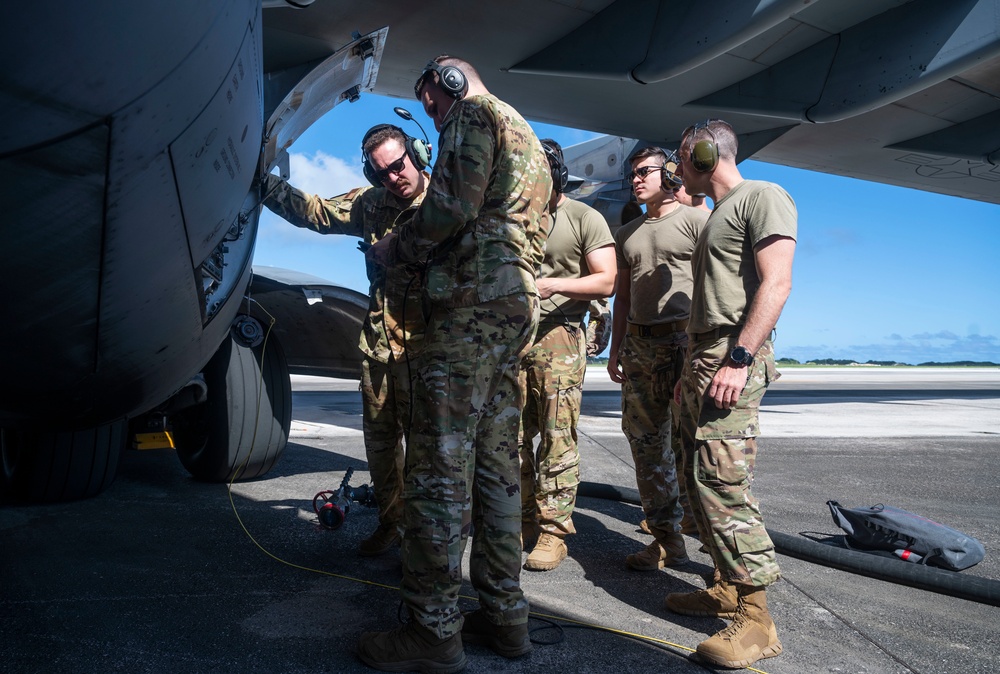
412 647
717 600
510 641
670 552
750 637
548 553
380 541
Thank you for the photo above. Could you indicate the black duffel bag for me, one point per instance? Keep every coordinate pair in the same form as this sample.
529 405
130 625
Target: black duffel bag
906 535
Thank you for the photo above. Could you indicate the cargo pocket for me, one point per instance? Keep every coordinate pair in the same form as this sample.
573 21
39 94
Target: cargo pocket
757 554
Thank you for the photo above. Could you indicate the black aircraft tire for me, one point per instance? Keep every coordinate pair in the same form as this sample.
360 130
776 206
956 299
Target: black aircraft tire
226 435
55 466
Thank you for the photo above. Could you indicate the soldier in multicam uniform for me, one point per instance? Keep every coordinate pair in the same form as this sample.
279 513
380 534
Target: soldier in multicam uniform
742 277
652 302
579 266
394 161
480 234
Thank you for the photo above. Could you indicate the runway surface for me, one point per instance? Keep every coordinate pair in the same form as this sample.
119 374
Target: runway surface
163 574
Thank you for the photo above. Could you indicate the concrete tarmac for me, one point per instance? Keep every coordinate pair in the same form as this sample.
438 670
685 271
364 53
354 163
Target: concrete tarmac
164 574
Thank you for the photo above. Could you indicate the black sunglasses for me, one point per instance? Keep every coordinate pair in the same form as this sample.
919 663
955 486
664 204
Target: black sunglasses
642 172
395 167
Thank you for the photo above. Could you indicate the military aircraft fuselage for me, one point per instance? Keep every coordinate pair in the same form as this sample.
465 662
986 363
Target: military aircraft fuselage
128 148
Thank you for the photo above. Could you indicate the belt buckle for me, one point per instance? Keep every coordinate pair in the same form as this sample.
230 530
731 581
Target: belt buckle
645 331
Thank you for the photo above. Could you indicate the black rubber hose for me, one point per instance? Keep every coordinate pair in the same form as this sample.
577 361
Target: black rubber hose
942 581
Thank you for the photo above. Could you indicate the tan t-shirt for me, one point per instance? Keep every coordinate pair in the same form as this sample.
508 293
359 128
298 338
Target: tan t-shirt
725 272
656 254
578 230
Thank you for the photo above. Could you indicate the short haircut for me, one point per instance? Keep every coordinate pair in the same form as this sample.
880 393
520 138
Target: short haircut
715 130
373 140
645 153
471 74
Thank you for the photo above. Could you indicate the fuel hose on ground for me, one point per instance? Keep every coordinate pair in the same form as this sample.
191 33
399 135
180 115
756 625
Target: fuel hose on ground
942 581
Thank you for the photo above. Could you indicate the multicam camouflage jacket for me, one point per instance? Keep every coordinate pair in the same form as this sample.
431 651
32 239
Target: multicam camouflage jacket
481 228
369 213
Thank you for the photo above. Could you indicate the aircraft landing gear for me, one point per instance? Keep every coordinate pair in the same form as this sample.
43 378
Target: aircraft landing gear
49 466
228 434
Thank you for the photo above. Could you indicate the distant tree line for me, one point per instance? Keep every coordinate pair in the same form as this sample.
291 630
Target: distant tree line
602 360
887 363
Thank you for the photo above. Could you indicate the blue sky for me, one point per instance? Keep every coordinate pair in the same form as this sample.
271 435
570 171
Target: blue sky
881 272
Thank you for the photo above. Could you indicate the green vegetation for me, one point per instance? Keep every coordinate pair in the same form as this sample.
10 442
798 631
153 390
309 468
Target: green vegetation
880 363
791 362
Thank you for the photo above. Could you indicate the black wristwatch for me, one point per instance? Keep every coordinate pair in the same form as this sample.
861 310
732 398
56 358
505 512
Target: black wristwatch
740 356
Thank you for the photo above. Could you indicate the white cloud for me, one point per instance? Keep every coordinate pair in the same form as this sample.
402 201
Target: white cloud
281 244
320 174
324 174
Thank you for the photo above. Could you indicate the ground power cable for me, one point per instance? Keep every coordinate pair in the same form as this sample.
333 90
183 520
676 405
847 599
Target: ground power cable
560 623
552 621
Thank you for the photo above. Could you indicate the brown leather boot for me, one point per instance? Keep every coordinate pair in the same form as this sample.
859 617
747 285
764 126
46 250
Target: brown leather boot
751 636
510 641
380 542
718 600
548 553
670 552
412 647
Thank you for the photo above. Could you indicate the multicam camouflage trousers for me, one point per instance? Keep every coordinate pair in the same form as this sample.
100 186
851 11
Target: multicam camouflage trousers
552 387
719 453
385 396
651 367
461 464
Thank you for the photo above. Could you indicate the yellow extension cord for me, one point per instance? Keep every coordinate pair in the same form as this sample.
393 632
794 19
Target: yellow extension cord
232 503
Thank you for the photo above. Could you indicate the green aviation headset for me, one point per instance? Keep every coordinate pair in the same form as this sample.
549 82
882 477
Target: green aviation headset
705 153
417 150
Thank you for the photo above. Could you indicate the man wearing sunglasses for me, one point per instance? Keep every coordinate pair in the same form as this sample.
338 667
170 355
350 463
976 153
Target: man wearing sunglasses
648 339
369 212
742 277
479 235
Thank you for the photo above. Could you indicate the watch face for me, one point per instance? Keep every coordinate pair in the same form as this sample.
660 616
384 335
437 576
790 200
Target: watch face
741 355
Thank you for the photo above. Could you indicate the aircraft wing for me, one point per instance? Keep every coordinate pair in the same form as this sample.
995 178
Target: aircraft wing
893 91
316 322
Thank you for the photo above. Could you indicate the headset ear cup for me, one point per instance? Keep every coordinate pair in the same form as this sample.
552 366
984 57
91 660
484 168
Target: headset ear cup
369 172
452 81
670 181
563 178
704 156
419 153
